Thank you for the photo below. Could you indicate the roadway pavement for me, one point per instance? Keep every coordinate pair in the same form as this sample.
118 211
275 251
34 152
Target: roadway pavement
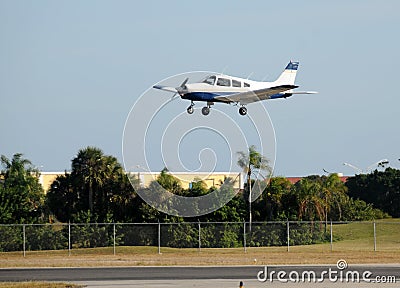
221 276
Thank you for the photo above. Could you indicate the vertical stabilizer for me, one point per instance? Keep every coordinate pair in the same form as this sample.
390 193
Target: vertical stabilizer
288 75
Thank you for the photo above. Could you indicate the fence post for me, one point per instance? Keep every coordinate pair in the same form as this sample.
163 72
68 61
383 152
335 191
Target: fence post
331 237
24 240
244 236
374 236
199 237
114 238
69 238
159 237
288 236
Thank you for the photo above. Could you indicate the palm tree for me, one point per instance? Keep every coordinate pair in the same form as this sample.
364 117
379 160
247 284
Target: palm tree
311 205
97 189
16 167
249 161
332 190
86 164
94 169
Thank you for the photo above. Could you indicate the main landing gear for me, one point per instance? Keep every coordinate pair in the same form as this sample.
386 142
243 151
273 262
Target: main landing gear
242 110
205 110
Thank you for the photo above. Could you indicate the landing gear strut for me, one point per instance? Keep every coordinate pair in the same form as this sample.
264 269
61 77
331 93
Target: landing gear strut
242 110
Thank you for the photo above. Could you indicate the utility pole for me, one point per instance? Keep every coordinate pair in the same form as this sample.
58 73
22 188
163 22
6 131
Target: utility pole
249 186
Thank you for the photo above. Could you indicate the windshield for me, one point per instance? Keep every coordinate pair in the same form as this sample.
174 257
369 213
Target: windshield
210 80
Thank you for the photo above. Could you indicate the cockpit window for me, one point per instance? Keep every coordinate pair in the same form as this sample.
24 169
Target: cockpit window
223 82
210 80
236 83
246 84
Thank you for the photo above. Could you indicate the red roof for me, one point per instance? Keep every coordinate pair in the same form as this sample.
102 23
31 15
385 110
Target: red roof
293 180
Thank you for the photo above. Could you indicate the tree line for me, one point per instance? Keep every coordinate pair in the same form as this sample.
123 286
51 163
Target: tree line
98 190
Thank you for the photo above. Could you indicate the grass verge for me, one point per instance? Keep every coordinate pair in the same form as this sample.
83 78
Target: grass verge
37 285
148 256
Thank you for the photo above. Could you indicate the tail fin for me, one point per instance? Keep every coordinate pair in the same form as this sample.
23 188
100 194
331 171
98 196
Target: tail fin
289 74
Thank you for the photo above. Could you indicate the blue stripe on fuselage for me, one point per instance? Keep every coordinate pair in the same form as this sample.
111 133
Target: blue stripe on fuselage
210 97
205 96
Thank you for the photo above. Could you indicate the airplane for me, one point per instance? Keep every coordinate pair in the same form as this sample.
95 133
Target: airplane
234 90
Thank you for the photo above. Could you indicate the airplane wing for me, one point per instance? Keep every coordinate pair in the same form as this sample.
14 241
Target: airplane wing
304 92
255 95
165 88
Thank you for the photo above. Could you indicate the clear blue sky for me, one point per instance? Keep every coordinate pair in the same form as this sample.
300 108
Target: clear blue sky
71 70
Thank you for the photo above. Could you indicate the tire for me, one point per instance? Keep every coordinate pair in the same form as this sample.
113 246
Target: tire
242 111
190 110
205 111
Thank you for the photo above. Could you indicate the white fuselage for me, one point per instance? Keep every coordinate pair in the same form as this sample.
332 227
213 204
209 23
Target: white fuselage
222 85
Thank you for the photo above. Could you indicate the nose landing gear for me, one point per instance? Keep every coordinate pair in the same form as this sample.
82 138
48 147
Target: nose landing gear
190 109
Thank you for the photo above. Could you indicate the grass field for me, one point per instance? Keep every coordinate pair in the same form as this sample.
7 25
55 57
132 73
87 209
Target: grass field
37 285
355 244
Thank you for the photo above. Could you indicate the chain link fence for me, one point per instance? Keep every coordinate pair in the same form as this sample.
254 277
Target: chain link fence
339 236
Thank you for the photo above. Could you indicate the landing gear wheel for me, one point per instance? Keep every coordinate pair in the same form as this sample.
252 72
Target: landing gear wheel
205 111
242 111
190 110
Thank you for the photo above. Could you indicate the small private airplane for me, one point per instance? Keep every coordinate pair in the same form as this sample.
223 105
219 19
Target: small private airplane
234 90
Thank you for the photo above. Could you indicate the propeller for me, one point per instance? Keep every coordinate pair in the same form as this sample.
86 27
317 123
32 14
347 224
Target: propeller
180 88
